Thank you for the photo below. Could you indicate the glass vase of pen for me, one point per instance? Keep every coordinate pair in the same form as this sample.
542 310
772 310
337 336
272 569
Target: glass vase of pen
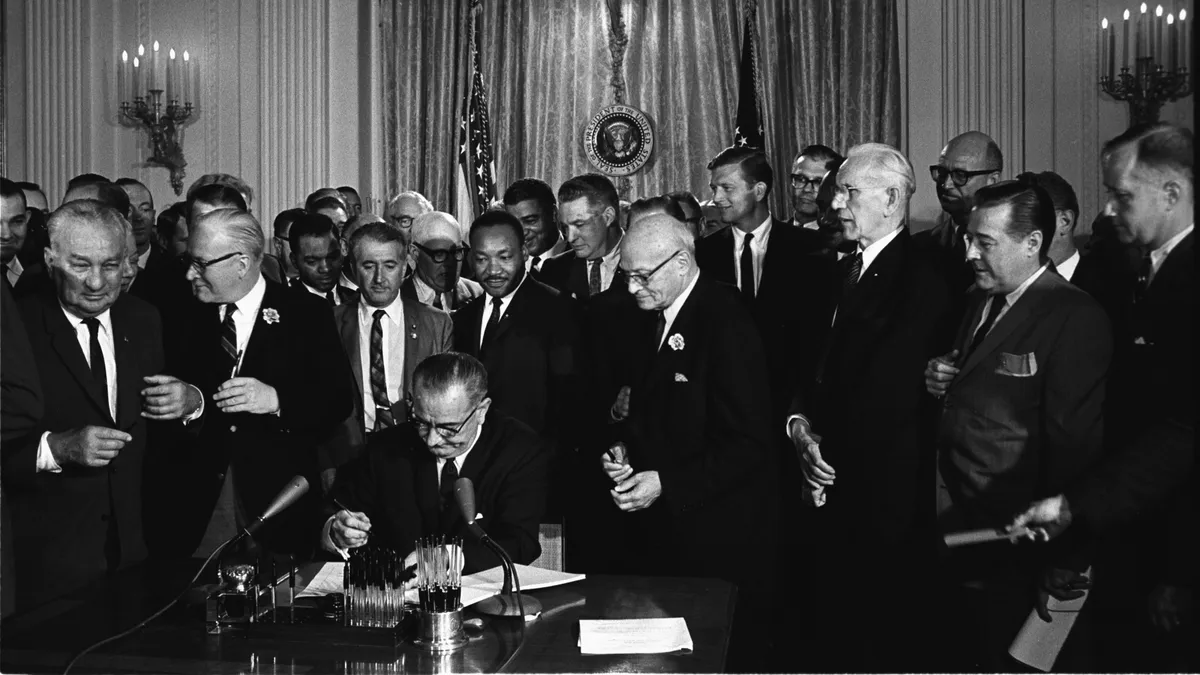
439 594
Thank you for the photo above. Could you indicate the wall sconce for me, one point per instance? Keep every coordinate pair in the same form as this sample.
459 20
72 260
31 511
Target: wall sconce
1159 57
143 81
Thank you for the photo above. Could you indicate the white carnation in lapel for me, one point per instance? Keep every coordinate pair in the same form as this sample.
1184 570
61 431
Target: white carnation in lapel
270 315
676 342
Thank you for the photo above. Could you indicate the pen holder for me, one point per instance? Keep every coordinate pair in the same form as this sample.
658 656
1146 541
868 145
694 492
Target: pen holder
440 631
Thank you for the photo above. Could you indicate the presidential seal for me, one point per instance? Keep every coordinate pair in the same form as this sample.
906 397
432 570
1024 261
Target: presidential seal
618 140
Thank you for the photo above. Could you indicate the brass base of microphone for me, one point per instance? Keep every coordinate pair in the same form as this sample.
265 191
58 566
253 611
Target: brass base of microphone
506 605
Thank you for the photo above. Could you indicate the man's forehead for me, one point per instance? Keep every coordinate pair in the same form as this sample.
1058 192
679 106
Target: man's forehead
314 242
809 165
990 218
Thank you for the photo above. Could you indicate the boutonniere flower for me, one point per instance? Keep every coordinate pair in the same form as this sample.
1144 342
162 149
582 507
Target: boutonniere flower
676 342
270 315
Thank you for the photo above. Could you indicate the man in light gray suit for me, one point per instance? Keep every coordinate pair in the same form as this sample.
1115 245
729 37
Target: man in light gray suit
385 336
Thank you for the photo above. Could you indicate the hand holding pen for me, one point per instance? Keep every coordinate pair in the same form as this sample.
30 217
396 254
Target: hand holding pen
616 463
350 529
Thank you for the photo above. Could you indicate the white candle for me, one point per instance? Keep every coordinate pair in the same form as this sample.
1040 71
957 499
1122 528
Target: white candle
1171 41
1159 54
155 82
171 93
1125 41
1185 39
122 78
137 77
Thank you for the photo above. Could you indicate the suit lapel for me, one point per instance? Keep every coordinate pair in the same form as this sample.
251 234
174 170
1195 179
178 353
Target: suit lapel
348 329
128 385
471 328
66 343
412 348
666 356
1029 303
965 331
577 281
257 346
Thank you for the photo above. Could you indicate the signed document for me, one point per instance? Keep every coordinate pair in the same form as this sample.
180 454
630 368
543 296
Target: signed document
633 636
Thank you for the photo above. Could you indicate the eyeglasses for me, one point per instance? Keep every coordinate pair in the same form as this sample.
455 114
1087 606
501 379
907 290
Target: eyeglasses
643 280
439 256
404 222
800 181
960 176
446 431
201 265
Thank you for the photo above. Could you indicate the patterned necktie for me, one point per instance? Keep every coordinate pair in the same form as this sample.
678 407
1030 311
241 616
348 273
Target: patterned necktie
446 491
383 407
99 372
747 267
852 269
229 338
594 284
490 331
998 304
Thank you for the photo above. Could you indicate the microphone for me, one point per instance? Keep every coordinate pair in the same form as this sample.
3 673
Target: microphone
290 494
507 603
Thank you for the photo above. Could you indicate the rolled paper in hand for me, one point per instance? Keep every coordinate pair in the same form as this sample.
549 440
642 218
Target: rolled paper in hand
983 536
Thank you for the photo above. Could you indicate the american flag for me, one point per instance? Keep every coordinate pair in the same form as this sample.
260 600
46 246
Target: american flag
749 129
477 169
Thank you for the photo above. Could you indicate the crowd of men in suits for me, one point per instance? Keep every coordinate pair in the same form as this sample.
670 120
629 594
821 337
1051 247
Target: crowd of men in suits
803 407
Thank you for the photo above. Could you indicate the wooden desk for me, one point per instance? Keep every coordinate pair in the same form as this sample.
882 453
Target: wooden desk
43 639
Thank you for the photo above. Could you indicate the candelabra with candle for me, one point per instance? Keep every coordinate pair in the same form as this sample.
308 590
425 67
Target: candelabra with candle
159 95
1160 56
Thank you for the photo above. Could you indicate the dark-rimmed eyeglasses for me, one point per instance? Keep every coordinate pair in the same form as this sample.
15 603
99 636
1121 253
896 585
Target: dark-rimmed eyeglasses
424 427
201 265
643 280
960 176
439 256
404 222
803 182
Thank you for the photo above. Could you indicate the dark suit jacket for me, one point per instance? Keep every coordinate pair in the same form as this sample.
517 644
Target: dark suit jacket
427 332
793 305
1023 417
945 247
699 417
569 274
163 283
34 280
1148 474
61 521
299 355
395 482
870 405
345 295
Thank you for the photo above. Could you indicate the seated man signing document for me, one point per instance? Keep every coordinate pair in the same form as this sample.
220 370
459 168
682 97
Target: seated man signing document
402 487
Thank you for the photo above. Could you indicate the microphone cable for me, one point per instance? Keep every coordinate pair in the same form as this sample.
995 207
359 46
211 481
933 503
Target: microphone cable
157 614
520 607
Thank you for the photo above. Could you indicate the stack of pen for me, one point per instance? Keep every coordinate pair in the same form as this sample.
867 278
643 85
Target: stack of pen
374 584
439 573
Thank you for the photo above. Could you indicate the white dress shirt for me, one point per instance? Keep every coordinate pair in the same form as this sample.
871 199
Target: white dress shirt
14 271
1159 255
426 294
245 317
1067 269
337 299
1012 299
504 303
806 225
758 249
143 258
345 282
393 354
671 312
608 266
45 458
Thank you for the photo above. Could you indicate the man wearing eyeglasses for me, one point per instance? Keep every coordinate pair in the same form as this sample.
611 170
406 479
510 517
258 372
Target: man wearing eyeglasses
810 167
275 382
403 209
438 251
968 162
402 488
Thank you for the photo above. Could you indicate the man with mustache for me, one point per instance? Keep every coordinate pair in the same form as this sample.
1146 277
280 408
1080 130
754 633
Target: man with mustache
385 335
317 257
810 167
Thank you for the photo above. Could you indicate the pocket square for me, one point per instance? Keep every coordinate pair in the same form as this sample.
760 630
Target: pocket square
1017 365
680 377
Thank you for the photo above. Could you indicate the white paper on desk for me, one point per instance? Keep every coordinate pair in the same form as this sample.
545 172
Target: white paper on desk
327 580
531 578
633 636
1038 643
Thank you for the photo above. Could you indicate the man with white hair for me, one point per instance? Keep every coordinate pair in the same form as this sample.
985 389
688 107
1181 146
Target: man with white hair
404 208
275 382
863 425
74 485
437 254
700 466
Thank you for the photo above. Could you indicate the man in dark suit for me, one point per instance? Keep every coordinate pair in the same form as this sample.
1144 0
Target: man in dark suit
275 383
14 227
587 210
1141 496
865 414
403 487
808 169
316 255
700 467
385 336
1022 398
74 478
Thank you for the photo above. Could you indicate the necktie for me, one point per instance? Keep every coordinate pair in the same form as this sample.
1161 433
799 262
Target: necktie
446 490
747 267
536 265
1143 279
229 337
99 373
383 407
594 277
852 270
331 298
660 327
494 319
998 304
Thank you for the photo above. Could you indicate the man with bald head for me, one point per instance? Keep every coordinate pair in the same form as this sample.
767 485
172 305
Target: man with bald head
75 485
275 383
863 424
437 254
968 162
699 466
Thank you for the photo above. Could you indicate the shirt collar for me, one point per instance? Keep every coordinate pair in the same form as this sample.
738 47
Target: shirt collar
395 311
615 252
143 258
250 302
1020 290
505 299
345 281
312 290
671 312
1067 268
870 253
105 319
1158 255
461 459
761 233
425 292
16 266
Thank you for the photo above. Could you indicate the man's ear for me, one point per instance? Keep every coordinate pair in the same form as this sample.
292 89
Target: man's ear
610 216
760 191
1173 191
1035 242
993 178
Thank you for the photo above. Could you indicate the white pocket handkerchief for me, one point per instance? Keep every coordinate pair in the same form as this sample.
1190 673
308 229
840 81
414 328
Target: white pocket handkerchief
1017 365
680 377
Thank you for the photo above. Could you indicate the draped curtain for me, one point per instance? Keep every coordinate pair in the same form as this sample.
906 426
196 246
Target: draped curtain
830 73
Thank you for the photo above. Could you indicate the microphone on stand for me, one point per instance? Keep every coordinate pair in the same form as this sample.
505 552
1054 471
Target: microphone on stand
508 602
290 494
